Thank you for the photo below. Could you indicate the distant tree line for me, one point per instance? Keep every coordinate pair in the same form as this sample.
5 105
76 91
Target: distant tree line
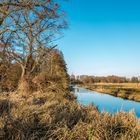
103 79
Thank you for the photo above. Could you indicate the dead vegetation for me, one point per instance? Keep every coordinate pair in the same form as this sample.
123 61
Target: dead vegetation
129 91
41 106
53 115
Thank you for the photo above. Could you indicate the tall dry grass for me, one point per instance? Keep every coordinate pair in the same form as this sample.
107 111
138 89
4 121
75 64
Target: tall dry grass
55 115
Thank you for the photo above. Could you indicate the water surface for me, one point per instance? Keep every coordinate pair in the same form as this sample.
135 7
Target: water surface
106 102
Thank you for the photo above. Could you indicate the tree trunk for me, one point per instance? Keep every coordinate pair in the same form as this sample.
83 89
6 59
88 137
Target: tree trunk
25 85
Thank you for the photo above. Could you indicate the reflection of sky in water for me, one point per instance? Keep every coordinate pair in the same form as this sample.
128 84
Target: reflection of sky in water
106 102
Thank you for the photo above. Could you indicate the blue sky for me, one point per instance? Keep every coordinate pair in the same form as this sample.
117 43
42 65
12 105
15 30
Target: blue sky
103 37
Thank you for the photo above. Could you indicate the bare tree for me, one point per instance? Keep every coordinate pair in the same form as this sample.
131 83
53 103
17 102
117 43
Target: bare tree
29 26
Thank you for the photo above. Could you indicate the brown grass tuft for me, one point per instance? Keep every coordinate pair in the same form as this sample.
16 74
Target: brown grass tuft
57 116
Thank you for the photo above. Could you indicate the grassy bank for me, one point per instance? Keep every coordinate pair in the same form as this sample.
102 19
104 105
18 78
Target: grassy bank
55 115
129 91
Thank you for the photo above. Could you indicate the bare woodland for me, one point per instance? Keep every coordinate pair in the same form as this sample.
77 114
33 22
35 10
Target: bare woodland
27 31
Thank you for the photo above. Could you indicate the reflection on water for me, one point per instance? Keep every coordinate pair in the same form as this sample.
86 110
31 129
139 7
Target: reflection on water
106 102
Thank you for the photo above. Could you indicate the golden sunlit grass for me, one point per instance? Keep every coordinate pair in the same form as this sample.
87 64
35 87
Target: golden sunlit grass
125 85
57 116
129 91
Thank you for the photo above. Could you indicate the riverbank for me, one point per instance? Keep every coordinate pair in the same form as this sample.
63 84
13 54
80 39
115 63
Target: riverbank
56 115
130 91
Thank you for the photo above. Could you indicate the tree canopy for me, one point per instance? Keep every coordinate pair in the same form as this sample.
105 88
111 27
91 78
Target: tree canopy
27 27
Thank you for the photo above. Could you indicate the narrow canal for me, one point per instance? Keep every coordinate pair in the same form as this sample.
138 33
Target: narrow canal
106 102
